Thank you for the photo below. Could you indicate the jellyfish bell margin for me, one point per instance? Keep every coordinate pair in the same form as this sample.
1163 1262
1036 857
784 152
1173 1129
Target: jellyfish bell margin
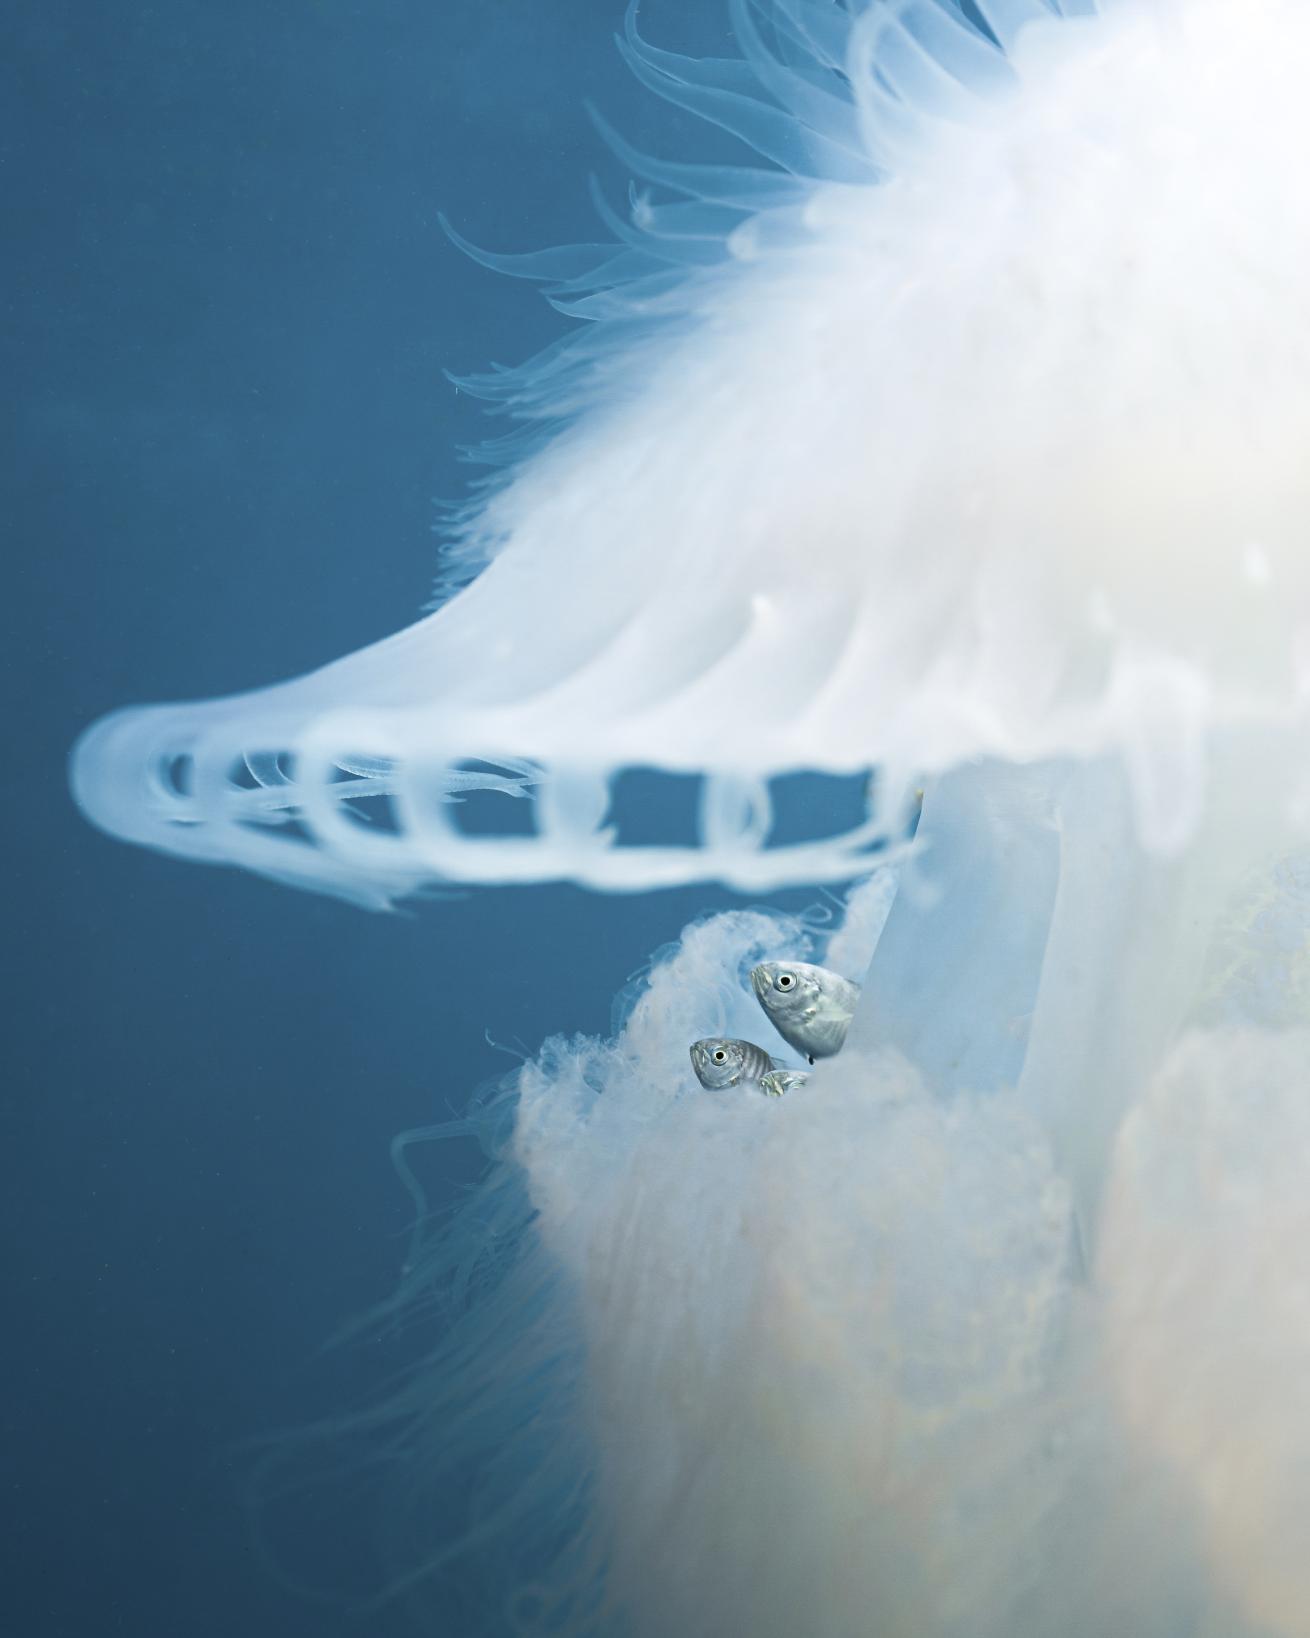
969 455
958 437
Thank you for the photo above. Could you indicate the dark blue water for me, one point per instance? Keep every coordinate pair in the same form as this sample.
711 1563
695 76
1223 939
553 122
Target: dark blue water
228 307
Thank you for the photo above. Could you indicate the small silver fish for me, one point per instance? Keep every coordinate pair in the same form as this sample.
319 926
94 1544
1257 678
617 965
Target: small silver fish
810 1007
778 1081
719 1062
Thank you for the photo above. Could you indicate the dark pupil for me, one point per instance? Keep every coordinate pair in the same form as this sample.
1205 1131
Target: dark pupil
785 982
719 1057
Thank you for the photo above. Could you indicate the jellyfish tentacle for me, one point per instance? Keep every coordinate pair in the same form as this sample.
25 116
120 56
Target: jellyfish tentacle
682 251
1006 18
818 109
560 262
819 34
773 132
738 187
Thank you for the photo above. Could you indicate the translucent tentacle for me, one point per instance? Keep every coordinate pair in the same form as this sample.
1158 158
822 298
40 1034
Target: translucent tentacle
621 267
738 187
657 293
560 262
1006 17
770 131
693 220
820 111
951 44
912 63
797 55
822 31
681 251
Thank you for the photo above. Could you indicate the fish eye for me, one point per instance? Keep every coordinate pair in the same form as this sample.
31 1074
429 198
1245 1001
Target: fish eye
719 1055
784 981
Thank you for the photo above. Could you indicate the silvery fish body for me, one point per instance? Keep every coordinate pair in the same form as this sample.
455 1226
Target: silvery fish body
720 1061
810 1007
778 1081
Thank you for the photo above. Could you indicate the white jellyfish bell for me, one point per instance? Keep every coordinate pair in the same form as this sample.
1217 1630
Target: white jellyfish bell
951 434
961 440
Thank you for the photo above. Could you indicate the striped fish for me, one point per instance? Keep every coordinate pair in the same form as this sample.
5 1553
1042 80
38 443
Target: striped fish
720 1061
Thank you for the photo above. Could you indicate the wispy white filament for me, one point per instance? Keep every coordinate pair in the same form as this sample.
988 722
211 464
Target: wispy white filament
853 1362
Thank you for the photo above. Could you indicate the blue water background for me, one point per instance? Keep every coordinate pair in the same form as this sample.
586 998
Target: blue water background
228 307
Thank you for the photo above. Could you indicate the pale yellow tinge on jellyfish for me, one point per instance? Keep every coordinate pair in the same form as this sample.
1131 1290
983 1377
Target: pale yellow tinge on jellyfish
877 1384
1208 1301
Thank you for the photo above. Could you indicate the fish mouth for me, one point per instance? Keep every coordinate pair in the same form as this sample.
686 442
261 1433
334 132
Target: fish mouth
761 980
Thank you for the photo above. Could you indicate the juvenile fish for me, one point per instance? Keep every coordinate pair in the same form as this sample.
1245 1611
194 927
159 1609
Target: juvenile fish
778 1081
810 1007
719 1062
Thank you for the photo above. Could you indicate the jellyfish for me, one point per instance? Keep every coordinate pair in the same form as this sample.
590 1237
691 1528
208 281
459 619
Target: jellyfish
953 441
